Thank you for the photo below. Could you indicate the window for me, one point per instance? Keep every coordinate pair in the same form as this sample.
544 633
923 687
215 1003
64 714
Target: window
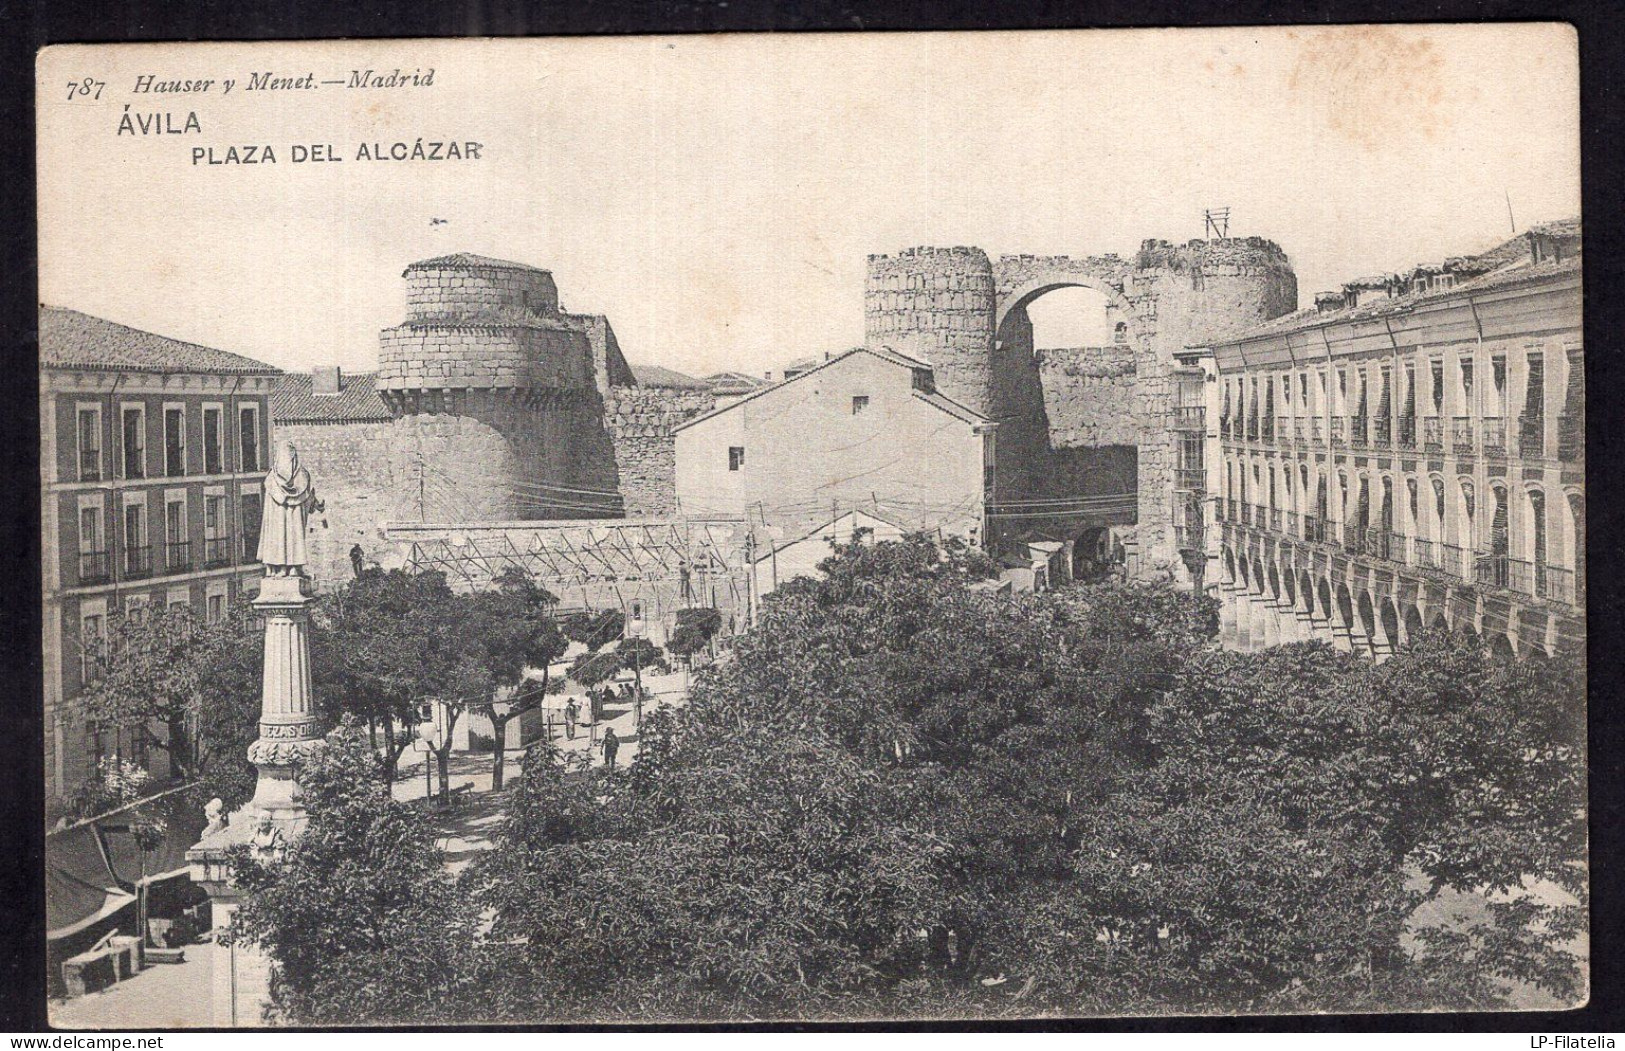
137 558
251 527
177 550
88 428
637 610
211 440
248 430
90 529
178 597
860 402
736 457
135 441
211 514
92 620
174 441
217 608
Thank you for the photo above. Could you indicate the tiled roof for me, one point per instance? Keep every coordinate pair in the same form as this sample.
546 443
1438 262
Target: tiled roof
1500 262
356 401
659 376
71 340
470 260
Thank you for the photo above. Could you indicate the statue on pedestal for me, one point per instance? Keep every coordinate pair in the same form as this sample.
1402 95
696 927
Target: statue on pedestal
290 497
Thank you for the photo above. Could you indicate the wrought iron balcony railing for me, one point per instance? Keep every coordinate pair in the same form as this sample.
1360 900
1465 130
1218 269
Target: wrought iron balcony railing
1495 436
1531 437
1407 432
1461 435
178 556
137 562
94 567
1433 435
217 551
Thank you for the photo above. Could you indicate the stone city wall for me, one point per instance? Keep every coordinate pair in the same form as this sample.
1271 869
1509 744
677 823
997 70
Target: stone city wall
640 421
1091 396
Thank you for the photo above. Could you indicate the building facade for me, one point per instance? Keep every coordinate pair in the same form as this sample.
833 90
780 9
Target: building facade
1408 454
867 429
152 454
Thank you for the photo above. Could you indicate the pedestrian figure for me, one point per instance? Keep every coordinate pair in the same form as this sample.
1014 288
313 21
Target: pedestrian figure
611 744
571 714
357 557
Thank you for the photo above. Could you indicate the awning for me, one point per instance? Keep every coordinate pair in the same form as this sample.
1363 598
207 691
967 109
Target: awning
92 871
80 888
183 825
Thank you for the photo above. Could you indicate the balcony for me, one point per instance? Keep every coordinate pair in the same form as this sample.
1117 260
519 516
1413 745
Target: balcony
94 567
1359 436
1424 553
1501 571
217 551
1266 429
1275 519
1461 435
1454 560
1571 438
1190 479
1381 543
1190 418
1230 512
1314 430
178 557
1339 432
1495 437
1433 435
1532 437
1382 432
1224 426
1556 584
1289 525
1252 429
1407 432
1314 528
137 562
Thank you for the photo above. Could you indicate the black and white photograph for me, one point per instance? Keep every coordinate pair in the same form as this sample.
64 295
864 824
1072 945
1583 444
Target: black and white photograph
960 527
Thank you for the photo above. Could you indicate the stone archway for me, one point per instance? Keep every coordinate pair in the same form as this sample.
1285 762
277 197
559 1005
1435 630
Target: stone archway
1413 624
1389 616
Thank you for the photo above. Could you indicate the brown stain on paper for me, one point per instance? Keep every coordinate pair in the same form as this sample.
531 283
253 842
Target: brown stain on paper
1372 83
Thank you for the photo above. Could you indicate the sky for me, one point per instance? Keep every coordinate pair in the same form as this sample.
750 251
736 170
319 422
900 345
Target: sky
716 196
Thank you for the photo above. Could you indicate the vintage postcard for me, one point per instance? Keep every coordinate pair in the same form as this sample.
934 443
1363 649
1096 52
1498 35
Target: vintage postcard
813 527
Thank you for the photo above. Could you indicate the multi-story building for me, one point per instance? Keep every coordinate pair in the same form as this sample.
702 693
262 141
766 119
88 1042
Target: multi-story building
1407 454
152 452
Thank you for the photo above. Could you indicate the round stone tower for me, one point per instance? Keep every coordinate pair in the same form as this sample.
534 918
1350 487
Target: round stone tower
937 305
488 384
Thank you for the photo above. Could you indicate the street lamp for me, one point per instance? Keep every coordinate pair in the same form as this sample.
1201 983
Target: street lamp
426 738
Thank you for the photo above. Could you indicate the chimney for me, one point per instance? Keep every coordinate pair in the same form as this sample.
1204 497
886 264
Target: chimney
325 380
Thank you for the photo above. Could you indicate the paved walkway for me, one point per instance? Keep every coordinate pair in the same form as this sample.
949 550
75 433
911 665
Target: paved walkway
474 819
163 996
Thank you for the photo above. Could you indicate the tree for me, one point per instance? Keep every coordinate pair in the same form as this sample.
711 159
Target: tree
168 667
909 796
382 646
514 628
360 918
696 627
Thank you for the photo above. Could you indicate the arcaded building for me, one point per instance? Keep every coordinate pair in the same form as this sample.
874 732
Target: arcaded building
1409 453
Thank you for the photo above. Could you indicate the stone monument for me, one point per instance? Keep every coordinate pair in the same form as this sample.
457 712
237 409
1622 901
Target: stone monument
289 732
